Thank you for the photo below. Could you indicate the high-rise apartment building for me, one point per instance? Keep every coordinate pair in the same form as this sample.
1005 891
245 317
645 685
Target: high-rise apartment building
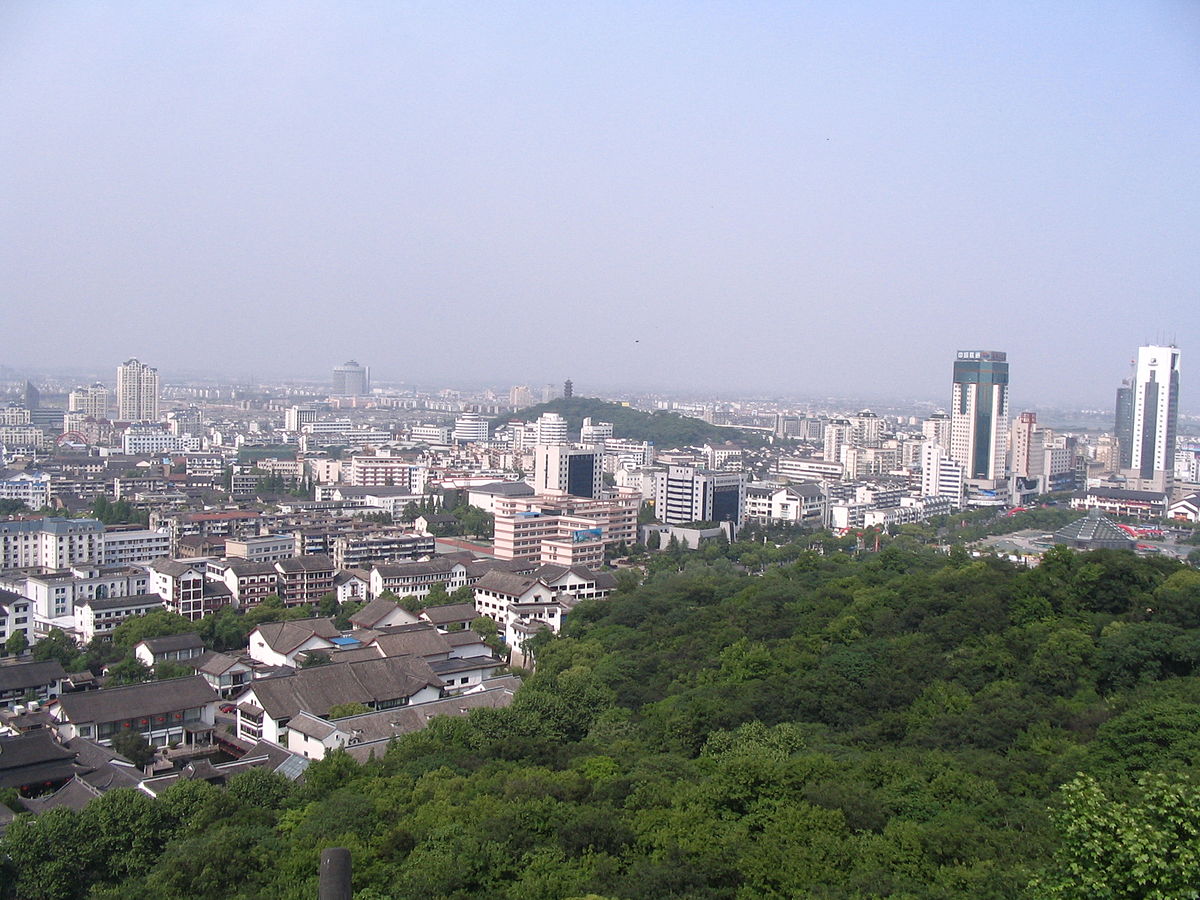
89 401
351 380
979 414
137 392
1147 416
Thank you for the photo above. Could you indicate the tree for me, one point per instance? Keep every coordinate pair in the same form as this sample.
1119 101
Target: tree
654 540
16 644
130 670
159 623
342 710
1147 846
131 745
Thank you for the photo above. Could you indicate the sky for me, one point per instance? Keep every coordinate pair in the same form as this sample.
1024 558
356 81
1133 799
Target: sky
803 198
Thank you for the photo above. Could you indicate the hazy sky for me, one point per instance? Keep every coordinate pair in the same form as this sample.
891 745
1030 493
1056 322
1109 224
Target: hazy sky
803 197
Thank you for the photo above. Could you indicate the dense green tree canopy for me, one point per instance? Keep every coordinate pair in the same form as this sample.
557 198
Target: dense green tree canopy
905 724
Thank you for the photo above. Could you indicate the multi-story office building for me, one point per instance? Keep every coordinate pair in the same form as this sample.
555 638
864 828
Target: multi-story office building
575 471
941 476
470 427
687 494
595 432
297 417
564 530
135 546
90 401
55 592
351 380
979 414
1147 415
137 392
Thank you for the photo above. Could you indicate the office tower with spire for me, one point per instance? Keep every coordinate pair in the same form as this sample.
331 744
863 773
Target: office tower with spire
137 392
1147 415
979 414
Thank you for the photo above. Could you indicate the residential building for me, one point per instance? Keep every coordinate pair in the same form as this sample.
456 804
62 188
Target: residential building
176 648
55 592
261 548
286 643
21 681
99 617
305 579
269 704
30 488
16 614
941 476
805 503
51 542
135 546
249 583
137 392
369 734
358 551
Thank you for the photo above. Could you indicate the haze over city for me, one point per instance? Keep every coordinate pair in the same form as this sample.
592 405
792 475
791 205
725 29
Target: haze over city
812 199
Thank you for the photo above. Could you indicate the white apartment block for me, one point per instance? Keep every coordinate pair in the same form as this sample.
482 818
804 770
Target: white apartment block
941 476
261 548
56 592
53 543
142 442
90 401
135 547
806 469
797 504
31 488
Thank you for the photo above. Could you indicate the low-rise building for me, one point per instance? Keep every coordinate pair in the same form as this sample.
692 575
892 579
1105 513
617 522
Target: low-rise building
21 681
178 710
177 648
268 705
98 618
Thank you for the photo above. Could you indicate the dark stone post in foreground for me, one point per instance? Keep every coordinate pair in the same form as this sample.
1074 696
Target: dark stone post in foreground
335 874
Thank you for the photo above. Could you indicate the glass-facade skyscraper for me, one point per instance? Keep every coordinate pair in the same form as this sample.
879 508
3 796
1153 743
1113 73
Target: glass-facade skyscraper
979 414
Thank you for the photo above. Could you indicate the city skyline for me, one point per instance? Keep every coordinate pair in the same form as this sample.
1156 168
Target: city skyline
779 200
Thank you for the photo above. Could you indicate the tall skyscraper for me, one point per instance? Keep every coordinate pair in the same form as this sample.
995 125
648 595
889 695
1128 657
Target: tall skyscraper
351 380
1154 398
979 414
137 392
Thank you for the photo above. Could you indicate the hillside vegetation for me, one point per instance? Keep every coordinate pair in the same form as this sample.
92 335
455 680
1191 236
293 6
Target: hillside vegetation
661 428
903 725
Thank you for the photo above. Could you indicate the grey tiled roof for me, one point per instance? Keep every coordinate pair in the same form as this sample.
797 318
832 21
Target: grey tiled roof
319 689
137 700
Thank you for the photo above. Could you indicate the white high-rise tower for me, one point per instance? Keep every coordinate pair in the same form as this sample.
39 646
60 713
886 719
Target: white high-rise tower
137 392
1155 412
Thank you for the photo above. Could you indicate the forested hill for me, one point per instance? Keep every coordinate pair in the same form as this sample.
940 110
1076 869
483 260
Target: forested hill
904 725
661 428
